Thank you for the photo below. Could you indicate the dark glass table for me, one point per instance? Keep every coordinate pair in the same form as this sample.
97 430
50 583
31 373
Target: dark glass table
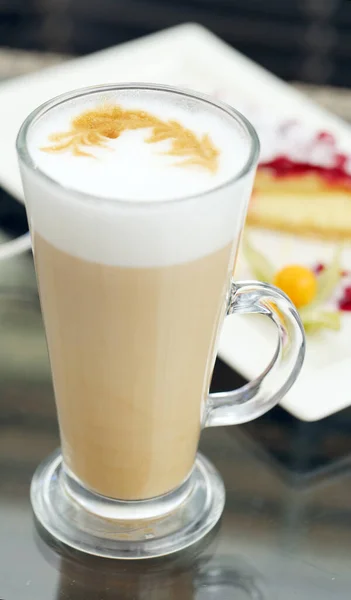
286 530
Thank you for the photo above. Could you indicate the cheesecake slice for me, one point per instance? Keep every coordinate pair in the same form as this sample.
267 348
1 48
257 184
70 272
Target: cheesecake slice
304 190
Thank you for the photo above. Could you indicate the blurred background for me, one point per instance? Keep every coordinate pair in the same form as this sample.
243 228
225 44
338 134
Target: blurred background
304 40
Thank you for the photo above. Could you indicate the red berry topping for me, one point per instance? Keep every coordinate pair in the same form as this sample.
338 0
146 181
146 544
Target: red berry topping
319 268
345 301
340 160
326 137
338 174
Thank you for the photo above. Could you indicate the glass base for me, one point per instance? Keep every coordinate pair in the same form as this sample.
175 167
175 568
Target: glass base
131 530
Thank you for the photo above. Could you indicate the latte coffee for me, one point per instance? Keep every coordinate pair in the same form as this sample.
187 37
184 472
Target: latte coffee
133 280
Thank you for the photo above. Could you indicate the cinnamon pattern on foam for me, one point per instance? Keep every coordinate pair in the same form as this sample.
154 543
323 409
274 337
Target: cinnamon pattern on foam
95 127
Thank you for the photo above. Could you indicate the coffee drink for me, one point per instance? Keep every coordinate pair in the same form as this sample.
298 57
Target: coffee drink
132 359
133 281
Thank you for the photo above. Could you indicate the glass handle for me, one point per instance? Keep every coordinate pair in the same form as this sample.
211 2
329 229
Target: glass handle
260 395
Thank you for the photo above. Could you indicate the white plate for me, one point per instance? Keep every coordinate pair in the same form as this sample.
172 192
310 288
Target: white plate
190 56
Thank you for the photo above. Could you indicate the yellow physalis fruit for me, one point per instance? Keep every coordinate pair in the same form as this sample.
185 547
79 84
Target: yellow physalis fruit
299 283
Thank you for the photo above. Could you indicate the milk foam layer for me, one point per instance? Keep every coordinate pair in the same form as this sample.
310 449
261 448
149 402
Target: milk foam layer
143 230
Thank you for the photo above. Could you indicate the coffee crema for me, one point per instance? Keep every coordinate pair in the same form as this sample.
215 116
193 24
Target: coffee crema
94 127
126 146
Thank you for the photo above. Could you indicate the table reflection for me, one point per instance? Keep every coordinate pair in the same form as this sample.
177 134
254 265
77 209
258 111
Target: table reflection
194 574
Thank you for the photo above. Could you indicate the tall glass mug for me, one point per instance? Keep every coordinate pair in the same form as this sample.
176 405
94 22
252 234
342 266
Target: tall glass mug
133 296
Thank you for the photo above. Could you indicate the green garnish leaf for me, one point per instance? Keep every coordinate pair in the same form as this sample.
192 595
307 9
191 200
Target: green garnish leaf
314 320
328 280
260 266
